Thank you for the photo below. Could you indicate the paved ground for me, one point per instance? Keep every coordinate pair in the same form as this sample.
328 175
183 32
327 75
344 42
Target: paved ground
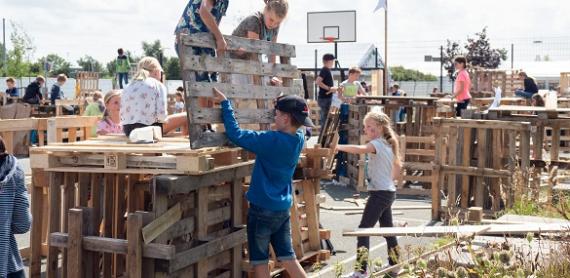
337 221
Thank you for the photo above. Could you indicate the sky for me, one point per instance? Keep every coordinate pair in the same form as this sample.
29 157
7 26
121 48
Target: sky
74 28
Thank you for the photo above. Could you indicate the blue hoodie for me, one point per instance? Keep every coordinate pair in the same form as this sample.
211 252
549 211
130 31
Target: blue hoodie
15 215
277 154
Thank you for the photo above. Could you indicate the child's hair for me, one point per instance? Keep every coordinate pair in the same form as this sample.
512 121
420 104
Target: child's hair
179 94
389 134
61 78
97 96
280 7
396 86
328 57
11 80
145 66
296 124
525 75
120 51
538 100
108 96
40 78
354 70
461 60
3 152
180 89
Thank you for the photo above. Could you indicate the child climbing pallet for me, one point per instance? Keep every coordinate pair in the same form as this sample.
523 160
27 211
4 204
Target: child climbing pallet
199 94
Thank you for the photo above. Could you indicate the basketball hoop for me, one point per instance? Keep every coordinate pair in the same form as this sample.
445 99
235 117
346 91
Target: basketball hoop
329 39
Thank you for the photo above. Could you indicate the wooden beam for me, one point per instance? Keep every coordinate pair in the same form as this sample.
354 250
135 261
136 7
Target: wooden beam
135 245
240 91
208 63
243 116
238 43
162 223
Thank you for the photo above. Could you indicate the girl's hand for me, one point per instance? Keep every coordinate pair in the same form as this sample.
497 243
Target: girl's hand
275 81
218 95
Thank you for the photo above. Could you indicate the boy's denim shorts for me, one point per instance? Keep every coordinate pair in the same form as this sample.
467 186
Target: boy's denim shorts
264 227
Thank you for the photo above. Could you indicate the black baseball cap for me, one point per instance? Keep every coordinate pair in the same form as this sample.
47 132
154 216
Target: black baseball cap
297 107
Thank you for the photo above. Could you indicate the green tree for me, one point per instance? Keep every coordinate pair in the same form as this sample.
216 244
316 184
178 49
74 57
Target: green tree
153 49
22 49
88 63
451 51
400 73
57 65
172 68
480 53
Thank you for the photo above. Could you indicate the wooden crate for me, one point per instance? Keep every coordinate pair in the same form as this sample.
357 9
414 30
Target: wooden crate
484 81
190 225
86 83
470 159
417 154
201 111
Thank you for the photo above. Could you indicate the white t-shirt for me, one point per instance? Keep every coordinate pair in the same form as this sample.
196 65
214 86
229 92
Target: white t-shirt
380 164
144 101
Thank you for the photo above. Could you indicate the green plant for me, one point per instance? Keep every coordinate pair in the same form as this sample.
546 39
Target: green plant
338 269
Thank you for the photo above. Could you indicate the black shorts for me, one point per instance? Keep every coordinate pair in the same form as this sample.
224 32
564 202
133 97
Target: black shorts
130 127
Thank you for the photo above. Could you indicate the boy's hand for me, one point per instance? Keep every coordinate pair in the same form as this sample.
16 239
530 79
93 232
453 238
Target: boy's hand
218 95
275 81
333 89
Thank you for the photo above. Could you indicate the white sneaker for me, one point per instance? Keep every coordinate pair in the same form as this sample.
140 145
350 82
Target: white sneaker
357 274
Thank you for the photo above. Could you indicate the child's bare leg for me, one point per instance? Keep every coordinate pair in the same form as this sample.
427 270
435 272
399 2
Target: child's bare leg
262 271
293 267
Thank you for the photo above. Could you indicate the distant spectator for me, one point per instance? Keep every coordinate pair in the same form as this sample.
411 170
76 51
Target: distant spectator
15 217
33 93
462 85
537 100
179 104
95 109
435 91
12 90
325 82
349 88
365 86
56 92
122 66
530 87
400 115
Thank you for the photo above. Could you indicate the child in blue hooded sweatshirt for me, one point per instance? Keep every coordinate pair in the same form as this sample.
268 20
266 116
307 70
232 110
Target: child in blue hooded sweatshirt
270 193
15 215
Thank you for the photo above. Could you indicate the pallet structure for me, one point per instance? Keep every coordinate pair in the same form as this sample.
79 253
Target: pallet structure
480 163
417 127
87 82
184 209
198 94
484 81
565 84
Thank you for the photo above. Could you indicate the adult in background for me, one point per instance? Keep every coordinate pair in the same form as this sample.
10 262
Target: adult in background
462 85
122 66
33 93
15 217
530 87
144 101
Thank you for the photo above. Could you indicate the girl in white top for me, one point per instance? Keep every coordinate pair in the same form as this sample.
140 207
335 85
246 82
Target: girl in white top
384 166
144 101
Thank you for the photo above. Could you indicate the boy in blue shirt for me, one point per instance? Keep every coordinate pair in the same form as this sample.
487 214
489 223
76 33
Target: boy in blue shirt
270 193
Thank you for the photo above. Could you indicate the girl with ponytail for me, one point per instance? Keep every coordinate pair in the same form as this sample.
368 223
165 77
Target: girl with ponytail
384 166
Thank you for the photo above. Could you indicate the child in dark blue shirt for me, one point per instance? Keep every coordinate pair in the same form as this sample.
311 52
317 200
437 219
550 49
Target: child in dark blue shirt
270 193
12 90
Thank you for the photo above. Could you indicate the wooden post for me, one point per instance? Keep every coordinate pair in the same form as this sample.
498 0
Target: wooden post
135 245
437 176
466 161
56 180
78 227
37 234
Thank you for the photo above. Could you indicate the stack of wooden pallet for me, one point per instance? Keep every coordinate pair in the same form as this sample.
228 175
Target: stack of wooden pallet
484 82
315 114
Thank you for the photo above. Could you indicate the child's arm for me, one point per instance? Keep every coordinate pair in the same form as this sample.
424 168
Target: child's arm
357 149
21 218
322 85
208 18
250 140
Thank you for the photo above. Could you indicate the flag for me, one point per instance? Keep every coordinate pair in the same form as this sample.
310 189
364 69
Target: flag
381 5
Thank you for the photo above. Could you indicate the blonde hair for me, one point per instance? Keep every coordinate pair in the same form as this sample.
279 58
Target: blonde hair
145 66
280 7
388 133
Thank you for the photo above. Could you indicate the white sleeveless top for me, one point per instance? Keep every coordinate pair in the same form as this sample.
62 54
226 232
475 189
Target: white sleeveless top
380 166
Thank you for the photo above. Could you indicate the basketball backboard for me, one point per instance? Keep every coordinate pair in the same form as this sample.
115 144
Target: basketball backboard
338 26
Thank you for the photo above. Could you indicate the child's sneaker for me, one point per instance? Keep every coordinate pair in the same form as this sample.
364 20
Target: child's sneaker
357 274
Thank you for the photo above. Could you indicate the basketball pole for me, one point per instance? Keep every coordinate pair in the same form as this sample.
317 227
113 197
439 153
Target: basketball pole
386 49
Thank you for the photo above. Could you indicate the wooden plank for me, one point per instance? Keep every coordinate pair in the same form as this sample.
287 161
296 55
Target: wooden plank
114 245
237 197
208 249
108 208
295 226
481 160
135 245
312 214
56 180
75 252
243 116
208 63
162 223
437 176
497 151
424 231
37 233
240 91
452 182
469 123
512 165
238 43
466 162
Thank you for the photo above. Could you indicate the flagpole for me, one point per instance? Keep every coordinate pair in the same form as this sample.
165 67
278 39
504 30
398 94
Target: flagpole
386 49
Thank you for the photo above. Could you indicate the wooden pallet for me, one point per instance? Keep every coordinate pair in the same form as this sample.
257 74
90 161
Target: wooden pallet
120 157
565 84
190 227
199 94
329 132
485 80
418 154
87 82
470 159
